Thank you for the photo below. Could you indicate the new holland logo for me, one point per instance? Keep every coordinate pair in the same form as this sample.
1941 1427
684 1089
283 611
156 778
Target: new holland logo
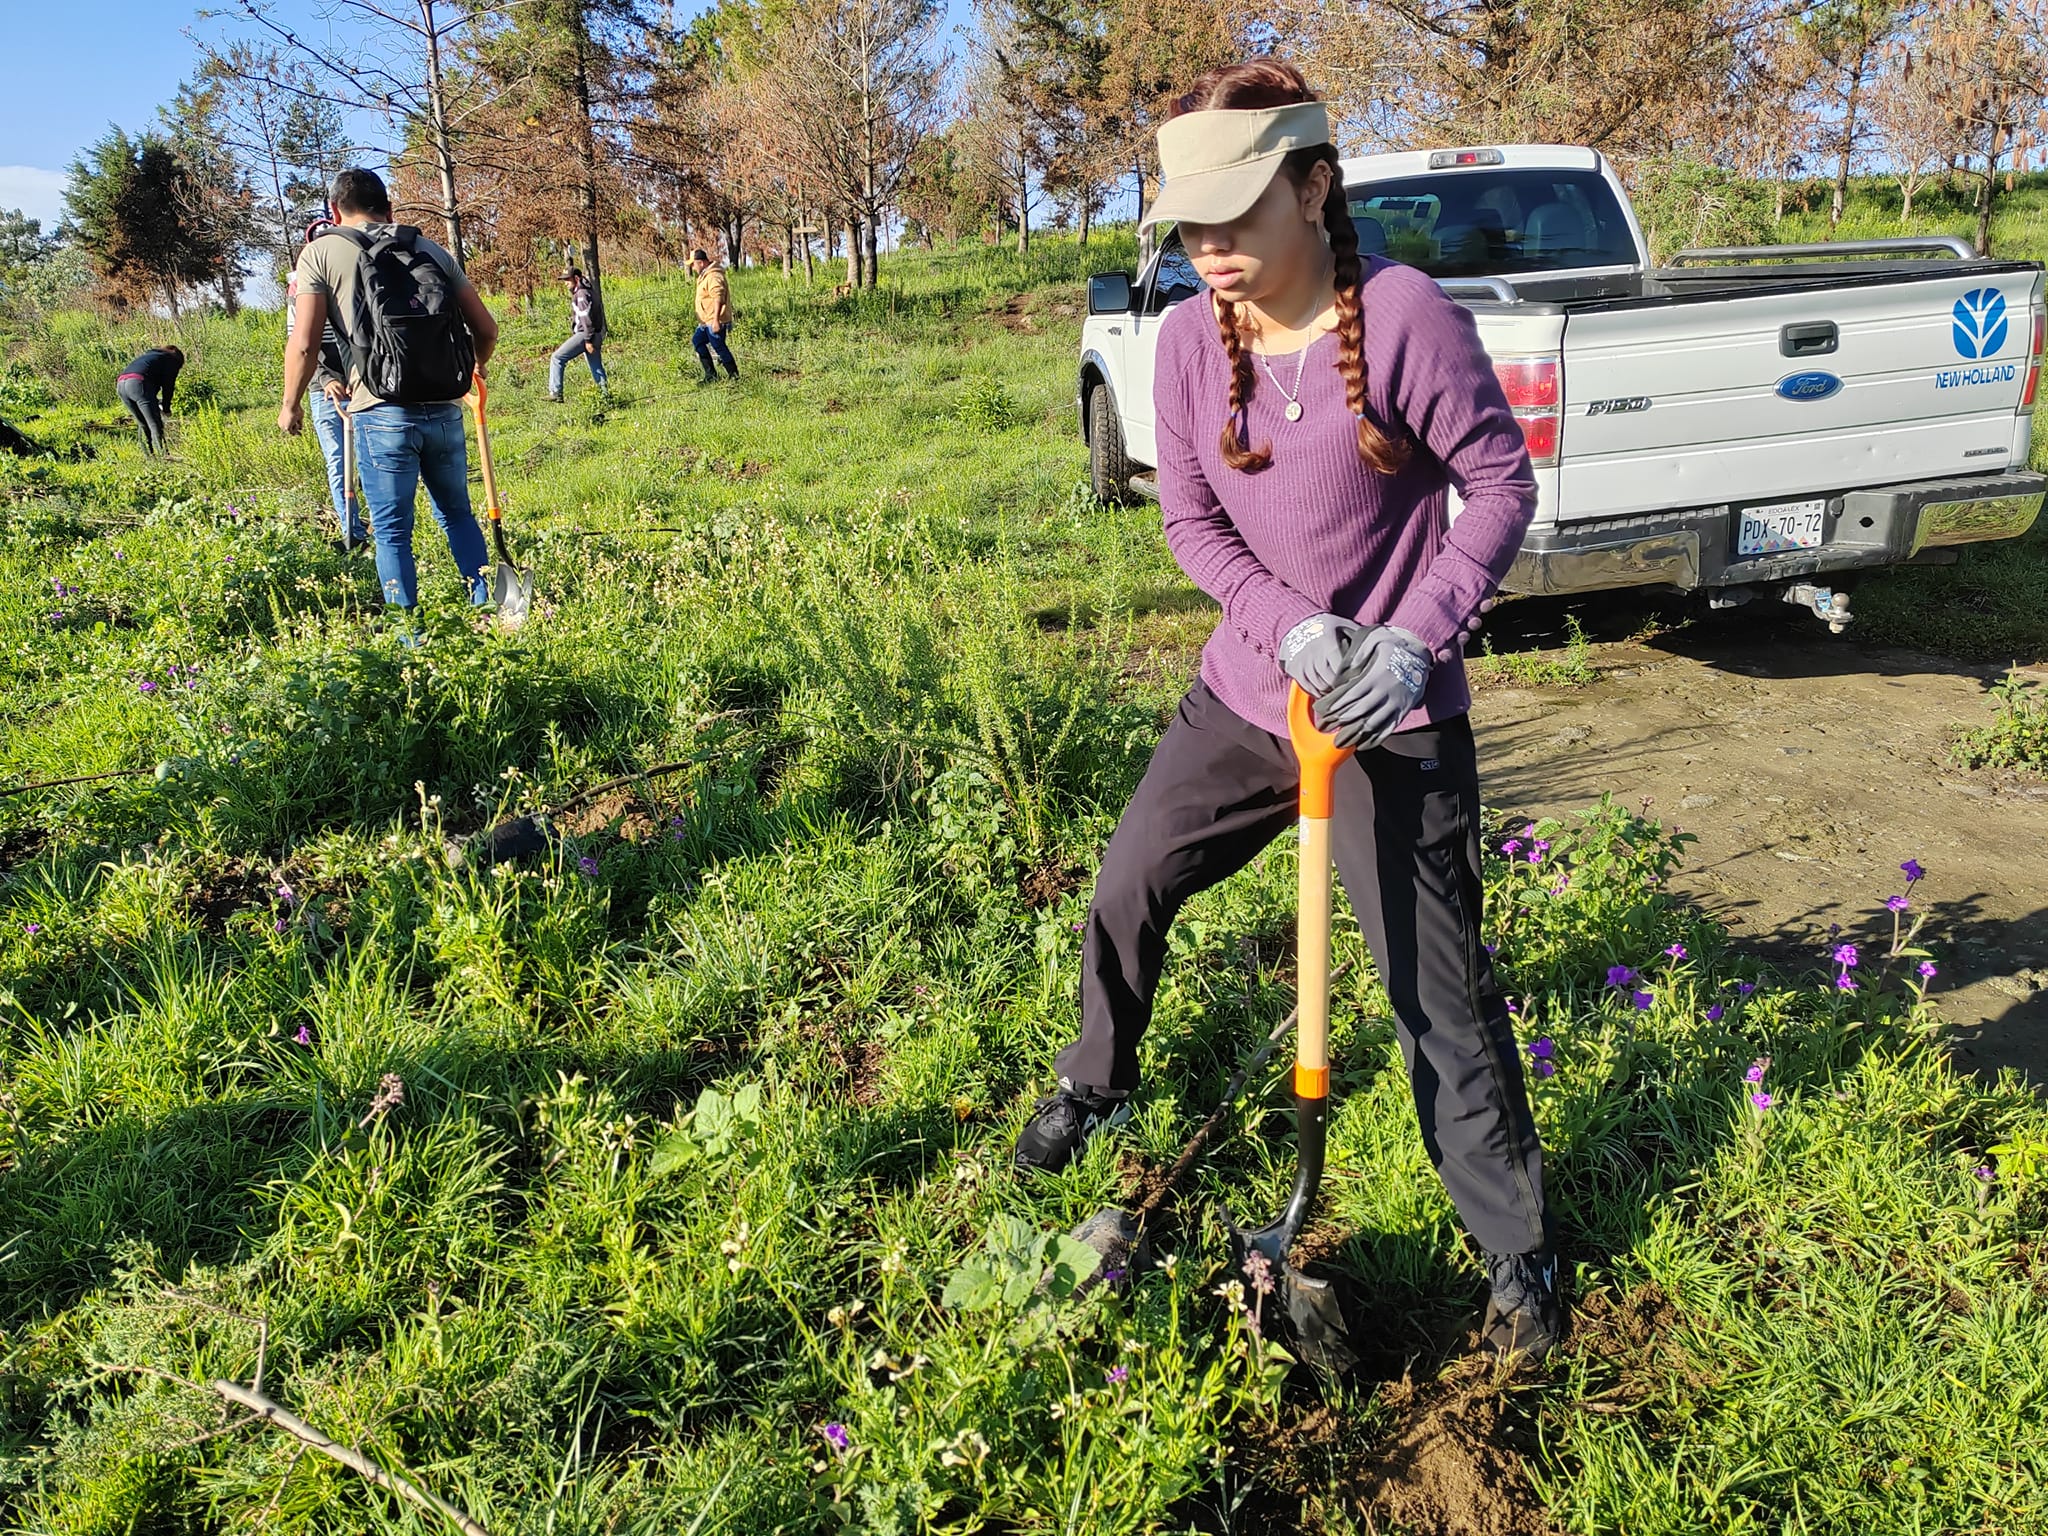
1980 327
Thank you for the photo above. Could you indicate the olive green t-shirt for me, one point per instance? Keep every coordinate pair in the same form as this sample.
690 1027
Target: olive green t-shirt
331 267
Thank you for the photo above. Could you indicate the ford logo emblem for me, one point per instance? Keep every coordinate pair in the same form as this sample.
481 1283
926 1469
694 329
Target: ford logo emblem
1809 386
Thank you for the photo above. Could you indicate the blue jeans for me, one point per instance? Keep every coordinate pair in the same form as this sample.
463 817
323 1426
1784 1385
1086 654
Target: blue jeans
567 353
707 341
327 427
398 446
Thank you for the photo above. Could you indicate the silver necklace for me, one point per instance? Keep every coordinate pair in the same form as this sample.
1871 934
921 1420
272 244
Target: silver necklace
1293 400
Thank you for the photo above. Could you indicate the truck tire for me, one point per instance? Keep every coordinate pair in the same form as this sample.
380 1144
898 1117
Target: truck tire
1109 471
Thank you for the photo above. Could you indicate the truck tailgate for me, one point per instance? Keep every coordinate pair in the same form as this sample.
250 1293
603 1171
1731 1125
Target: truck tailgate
1711 400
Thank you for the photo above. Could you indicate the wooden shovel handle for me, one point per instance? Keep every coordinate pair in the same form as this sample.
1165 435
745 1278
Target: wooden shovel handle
476 397
1319 756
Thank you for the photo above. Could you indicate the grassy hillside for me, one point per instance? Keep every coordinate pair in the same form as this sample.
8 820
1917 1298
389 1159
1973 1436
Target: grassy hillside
692 1212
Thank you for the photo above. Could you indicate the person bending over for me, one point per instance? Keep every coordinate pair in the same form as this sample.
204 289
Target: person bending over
145 387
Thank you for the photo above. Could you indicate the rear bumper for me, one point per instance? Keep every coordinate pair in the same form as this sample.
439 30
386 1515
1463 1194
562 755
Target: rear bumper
1883 525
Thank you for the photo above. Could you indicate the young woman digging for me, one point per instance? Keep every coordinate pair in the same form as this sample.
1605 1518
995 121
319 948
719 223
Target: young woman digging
1313 409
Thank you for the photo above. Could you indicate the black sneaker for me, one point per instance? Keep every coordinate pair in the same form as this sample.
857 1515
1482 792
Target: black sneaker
1061 1122
1524 1315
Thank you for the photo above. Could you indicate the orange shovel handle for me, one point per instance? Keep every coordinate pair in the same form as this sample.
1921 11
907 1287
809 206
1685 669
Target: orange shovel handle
1316 750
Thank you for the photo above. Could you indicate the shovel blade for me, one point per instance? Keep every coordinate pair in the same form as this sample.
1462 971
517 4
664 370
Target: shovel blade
512 592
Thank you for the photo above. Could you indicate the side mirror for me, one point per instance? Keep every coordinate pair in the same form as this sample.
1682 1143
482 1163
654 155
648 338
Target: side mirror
1109 293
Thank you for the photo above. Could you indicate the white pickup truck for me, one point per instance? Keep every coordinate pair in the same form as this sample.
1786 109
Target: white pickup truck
1745 421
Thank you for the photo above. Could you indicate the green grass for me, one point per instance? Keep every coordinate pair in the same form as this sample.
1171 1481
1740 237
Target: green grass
703 1144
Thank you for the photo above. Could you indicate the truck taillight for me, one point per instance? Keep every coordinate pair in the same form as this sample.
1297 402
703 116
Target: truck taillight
1534 387
2034 358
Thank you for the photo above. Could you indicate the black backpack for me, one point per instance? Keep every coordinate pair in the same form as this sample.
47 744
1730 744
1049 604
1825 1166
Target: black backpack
407 336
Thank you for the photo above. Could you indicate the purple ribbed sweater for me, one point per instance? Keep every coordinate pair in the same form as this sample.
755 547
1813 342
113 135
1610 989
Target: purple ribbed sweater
1318 531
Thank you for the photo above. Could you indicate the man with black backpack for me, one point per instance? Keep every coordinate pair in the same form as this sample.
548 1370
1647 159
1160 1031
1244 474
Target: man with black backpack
417 334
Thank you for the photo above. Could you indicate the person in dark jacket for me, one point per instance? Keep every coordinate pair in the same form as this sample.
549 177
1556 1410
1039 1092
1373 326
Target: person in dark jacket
586 333
330 403
145 387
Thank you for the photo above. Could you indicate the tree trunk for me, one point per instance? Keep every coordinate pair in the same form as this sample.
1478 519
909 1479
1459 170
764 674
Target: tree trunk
810 274
1778 204
1848 147
855 273
1087 210
1023 204
1906 187
870 227
230 289
1986 192
788 252
586 156
444 147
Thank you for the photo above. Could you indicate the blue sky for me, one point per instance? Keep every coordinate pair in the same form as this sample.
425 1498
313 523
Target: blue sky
68 68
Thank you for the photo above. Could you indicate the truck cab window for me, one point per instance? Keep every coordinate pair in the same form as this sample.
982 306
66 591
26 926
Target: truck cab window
1173 277
1495 222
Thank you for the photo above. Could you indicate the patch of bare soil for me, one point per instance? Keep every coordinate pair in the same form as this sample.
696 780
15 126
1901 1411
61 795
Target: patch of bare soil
1450 1464
1046 881
1809 769
621 812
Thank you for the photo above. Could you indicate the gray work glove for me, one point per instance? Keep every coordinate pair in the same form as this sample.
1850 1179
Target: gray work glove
1380 687
1313 652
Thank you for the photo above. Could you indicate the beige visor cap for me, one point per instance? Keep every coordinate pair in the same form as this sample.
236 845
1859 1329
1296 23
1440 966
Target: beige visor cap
1216 164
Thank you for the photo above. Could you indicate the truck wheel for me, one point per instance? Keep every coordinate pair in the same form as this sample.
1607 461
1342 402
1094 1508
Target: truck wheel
1109 472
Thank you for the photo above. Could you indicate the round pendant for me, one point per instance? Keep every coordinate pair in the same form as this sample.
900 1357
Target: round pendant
1294 410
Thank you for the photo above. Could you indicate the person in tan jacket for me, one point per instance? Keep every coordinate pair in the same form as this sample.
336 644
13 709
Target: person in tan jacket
714 318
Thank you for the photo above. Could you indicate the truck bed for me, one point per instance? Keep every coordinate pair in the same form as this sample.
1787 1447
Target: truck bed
1692 285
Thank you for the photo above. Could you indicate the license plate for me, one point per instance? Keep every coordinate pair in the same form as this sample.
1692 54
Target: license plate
1788 525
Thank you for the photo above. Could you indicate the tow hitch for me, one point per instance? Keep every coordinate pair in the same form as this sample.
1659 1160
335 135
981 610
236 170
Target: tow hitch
1824 603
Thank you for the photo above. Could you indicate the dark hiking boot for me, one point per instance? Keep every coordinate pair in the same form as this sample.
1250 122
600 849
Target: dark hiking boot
1062 1122
1525 1314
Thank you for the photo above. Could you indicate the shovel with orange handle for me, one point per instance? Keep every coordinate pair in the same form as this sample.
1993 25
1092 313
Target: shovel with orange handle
1309 1305
511 585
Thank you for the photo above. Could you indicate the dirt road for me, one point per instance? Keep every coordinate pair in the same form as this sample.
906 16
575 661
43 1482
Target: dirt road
1809 767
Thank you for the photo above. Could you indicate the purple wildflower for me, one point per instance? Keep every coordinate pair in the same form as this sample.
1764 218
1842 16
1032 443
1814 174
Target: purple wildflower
1619 976
279 926
1511 847
1546 1069
304 1036
1913 871
1898 903
1542 1049
1715 1014
1114 1276
1491 949
1845 982
1676 951
1559 888
31 929
286 894
1116 1375
1643 1000
1537 849
1757 1069
1834 930
1744 988
1846 956
1928 970
588 865
1761 1099
1984 1171
146 686
837 1437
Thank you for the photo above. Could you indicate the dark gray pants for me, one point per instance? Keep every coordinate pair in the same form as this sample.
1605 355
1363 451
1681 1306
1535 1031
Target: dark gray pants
140 398
1405 835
